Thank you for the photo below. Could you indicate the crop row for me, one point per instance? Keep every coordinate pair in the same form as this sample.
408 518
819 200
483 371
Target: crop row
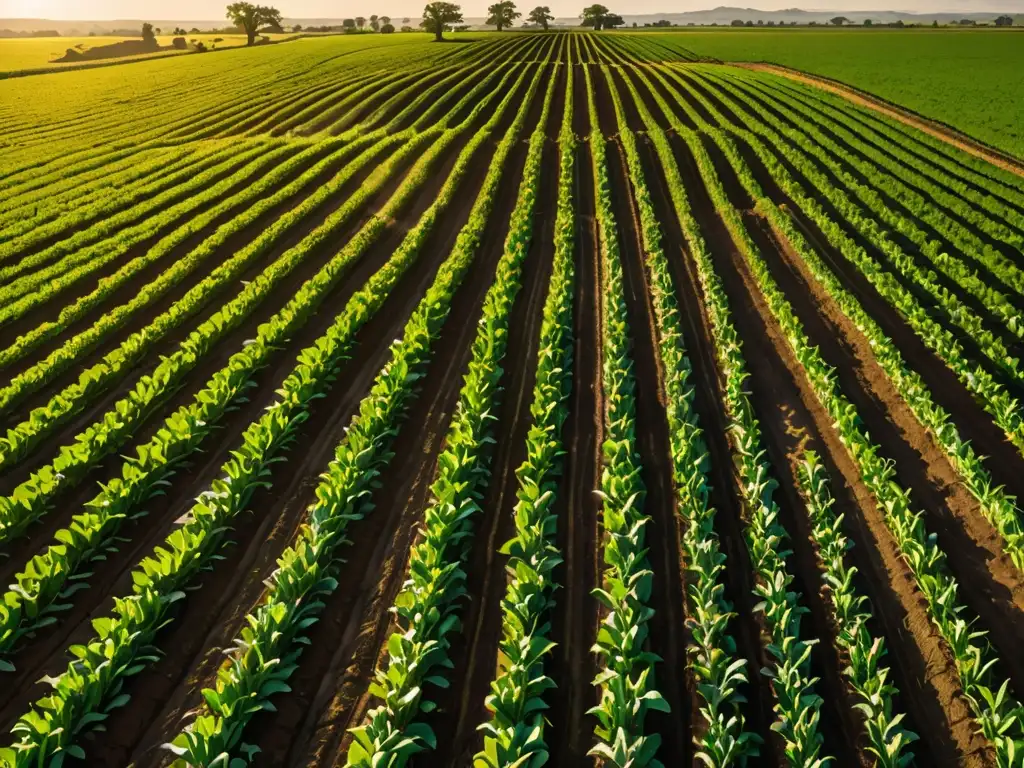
955 270
44 580
999 508
116 234
97 440
426 609
91 686
864 652
939 199
626 680
946 301
134 178
515 731
29 500
718 673
996 713
267 650
796 704
269 191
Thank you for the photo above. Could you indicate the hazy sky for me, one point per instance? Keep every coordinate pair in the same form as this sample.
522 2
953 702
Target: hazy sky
214 9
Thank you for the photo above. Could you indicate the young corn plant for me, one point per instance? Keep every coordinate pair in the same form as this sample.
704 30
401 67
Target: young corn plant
124 644
427 607
796 705
888 740
514 734
719 675
626 681
267 651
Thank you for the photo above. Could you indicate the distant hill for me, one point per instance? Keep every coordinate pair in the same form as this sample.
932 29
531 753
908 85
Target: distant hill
726 14
722 16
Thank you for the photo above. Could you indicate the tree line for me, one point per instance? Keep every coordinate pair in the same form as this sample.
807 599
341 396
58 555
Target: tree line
438 17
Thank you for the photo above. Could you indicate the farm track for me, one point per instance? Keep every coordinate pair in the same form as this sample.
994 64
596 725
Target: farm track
661 118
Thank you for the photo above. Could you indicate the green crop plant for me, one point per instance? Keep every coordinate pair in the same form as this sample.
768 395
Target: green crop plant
515 732
427 606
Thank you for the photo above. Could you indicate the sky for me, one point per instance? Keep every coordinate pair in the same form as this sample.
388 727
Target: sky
97 10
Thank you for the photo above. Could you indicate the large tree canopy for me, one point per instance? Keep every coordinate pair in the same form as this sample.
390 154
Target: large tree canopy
540 15
594 16
438 15
503 14
252 17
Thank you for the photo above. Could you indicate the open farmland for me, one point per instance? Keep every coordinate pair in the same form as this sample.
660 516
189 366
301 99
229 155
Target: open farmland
21 55
970 79
503 402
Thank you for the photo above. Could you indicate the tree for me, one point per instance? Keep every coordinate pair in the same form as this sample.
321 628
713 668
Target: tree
438 15
736 23
385 20
502 14
348 24
360 22
386 29
541 15
251 17
147 34
613 20
374 23
839 21
868 23
297 28
594 16
159 31
1004 21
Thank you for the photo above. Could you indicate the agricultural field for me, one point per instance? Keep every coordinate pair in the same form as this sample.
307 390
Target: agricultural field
547 399
20 55
970 79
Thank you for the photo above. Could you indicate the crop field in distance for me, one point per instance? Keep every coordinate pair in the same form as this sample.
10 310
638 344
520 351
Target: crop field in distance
970 79
565 398
40 53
